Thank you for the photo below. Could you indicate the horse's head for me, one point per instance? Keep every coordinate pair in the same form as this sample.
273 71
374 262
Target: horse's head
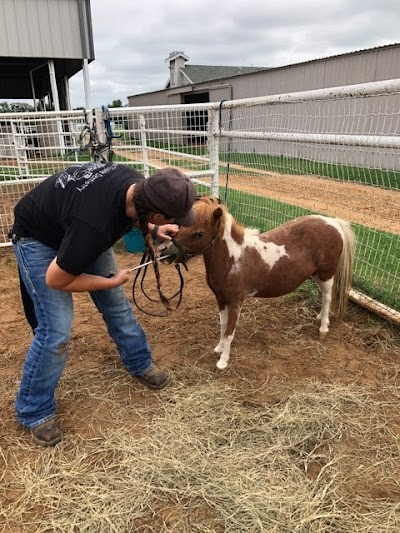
197 238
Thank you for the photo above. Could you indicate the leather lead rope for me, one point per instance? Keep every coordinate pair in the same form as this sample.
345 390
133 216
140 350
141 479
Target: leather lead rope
141 273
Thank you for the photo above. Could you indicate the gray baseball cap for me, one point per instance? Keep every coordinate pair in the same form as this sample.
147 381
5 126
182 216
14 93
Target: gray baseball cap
172 193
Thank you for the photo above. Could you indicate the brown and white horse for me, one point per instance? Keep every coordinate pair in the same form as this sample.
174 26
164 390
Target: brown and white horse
242 262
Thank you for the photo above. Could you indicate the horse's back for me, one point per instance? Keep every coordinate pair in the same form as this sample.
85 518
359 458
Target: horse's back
307 227
312 245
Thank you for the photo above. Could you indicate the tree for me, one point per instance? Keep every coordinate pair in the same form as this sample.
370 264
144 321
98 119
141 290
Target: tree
15 107
116 103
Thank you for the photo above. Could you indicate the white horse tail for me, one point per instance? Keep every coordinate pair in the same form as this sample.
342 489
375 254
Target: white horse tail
342 280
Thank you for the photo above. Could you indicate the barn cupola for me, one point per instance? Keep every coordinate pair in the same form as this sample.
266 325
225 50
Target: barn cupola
176 62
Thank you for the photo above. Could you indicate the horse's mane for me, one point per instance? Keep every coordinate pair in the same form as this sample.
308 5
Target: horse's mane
205 207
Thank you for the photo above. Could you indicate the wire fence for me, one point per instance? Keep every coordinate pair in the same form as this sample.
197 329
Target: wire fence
331 151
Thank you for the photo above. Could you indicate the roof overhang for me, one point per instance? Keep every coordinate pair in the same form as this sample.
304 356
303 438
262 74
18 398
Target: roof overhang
15 75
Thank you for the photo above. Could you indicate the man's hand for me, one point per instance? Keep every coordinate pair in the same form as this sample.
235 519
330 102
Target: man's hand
120 277
166 231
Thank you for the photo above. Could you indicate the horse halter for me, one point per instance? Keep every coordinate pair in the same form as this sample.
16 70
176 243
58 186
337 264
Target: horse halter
187 255
179 293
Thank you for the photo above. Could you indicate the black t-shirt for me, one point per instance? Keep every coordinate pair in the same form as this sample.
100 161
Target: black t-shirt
80 212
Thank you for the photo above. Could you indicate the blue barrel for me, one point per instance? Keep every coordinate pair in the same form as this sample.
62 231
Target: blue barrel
134 241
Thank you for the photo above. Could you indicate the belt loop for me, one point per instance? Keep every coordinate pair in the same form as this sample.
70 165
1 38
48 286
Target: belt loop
15 238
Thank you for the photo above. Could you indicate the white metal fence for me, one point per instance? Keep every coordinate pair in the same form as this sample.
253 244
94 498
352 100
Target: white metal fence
333 151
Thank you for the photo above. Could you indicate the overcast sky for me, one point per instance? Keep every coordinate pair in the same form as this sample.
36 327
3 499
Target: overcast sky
133 38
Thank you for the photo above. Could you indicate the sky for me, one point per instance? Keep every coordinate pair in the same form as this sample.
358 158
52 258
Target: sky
133 38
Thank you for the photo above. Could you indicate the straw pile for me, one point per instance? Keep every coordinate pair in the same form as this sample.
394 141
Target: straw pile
211 458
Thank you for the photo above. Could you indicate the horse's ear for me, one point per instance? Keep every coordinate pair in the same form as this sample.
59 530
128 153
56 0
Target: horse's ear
217 214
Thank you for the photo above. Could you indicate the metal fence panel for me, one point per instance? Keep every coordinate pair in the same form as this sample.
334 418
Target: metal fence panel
329 151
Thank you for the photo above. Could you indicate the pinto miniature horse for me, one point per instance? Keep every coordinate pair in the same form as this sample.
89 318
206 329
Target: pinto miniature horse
242 262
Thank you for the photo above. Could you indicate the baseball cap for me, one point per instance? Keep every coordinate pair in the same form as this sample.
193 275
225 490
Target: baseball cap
172 193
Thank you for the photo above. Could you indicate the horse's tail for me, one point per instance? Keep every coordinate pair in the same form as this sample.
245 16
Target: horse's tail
342 281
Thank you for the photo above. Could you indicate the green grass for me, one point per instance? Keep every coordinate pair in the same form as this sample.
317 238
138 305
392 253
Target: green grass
7 173
190 149
47 169
388 179
377 265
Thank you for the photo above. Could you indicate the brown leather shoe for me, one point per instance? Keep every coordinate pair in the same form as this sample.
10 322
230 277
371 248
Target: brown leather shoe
154 378
47 434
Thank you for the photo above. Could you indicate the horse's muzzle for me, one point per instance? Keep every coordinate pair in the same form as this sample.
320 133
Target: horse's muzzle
171 258
169 255
174 252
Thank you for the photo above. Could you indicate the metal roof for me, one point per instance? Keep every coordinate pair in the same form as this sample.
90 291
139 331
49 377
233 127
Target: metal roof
199 73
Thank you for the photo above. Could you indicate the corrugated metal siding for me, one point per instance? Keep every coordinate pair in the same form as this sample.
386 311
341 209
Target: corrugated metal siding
312 117
219 93
369 65
376 115
42 28
156 98
387 64
372 65
173 99
350 69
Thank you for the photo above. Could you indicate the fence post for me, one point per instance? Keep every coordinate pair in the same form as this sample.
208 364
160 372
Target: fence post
144 145
101 134
20 149
213 149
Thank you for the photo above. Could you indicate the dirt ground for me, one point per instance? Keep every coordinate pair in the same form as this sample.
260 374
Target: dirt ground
366 205
275 338
276 343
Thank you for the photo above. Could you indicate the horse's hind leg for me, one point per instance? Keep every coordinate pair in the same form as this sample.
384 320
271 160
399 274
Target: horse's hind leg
326 293
229 315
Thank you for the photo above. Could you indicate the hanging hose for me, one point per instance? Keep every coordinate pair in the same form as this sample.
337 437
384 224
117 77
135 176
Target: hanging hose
109 132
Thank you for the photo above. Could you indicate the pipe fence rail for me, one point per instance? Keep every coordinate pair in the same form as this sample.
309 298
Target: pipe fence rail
329 151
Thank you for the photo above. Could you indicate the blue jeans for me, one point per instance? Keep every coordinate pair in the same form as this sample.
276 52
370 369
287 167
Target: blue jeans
48 352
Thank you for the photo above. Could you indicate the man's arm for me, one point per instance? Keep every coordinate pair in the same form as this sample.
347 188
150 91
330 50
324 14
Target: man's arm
57 278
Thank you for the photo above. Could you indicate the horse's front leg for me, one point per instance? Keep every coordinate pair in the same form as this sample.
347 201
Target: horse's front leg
228 316
223 321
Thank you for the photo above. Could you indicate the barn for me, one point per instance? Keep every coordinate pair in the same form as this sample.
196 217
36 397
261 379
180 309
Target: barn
189 83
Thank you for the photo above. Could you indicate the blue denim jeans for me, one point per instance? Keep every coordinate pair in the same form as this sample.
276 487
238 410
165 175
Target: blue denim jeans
48 352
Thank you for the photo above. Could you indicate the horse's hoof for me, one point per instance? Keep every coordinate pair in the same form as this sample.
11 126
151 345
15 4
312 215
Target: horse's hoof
221 365
322 335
